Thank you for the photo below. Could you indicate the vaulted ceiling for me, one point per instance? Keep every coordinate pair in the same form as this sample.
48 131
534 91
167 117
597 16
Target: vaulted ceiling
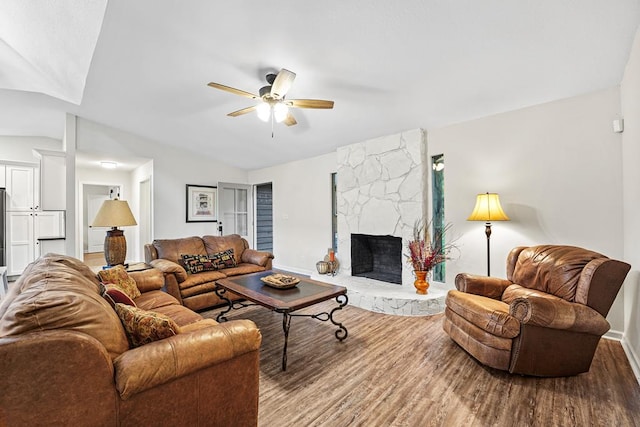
143 66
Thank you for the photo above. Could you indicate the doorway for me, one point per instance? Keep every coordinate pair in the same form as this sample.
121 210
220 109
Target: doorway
93 237
264 217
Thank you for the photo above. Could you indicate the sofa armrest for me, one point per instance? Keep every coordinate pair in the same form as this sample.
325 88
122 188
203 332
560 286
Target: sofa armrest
491 287
558 314
253 256
163 361
170 267
148 280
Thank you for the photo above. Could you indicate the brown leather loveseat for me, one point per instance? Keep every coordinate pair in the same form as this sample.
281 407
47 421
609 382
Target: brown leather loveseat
545 319
65 358
196 290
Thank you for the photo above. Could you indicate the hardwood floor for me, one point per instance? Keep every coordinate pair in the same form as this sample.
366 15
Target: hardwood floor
405 371
94 259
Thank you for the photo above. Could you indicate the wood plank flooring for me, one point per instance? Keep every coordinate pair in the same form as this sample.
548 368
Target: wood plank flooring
405 371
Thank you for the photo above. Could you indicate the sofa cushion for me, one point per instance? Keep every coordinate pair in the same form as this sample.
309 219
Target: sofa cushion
243 268
215 244
153 299
200 278
49 290
171 249
179 314
119 277
143 327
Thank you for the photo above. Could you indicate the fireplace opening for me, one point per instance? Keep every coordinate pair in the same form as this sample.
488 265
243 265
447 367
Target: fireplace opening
377 257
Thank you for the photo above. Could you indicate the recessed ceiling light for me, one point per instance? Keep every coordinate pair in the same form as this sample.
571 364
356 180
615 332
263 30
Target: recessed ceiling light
109 165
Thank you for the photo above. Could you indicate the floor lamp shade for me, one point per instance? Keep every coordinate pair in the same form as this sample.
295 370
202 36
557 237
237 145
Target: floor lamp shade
114 213
488 209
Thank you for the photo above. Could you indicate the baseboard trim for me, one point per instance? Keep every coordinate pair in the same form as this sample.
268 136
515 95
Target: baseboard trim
614 335
293 269
633 358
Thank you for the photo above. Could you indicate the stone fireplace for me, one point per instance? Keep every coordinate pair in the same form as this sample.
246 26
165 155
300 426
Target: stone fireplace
382 188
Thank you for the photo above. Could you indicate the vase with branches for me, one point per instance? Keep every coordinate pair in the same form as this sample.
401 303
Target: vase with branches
426 250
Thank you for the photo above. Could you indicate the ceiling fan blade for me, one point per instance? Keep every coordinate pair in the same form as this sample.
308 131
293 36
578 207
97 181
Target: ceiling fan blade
243 111
309 103
233 90
289 120
282 83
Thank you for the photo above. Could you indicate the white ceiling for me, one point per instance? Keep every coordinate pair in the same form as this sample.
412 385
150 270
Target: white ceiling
389 66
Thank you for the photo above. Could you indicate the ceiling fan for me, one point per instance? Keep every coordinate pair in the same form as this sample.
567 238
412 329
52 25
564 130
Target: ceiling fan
274 105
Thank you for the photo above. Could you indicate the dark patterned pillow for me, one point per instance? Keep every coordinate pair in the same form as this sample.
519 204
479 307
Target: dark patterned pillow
224 259
119 277
143 327
197 263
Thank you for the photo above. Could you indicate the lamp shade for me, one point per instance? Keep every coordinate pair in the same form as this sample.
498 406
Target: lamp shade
488 209
114 213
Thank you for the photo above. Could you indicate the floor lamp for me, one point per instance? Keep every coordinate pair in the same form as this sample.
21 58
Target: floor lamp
488 209
114 213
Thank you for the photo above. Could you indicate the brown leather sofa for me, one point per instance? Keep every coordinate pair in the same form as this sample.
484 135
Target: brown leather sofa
545 319
196 291
65 358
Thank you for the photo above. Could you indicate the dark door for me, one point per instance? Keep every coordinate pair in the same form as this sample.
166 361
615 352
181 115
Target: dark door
264 213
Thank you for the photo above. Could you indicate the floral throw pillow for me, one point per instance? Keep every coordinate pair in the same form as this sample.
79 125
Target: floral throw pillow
119 277
143 327
224 259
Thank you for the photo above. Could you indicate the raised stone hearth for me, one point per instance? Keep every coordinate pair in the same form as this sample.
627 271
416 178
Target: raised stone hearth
382 191
381 297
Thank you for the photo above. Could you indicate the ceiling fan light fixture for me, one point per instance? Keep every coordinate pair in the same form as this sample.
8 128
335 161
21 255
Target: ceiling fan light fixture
280 112
264 111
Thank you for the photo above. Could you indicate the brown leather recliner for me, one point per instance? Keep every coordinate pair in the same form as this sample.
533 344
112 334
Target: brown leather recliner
545 319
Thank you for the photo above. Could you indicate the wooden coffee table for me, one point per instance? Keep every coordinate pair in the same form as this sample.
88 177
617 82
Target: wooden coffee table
306 293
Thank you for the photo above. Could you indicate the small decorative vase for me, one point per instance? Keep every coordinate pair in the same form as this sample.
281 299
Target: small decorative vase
323 267
421 283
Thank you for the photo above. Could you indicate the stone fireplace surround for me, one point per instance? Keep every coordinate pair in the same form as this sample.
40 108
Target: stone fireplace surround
382 189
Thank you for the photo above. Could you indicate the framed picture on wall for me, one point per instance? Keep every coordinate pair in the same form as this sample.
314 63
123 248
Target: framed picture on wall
201 203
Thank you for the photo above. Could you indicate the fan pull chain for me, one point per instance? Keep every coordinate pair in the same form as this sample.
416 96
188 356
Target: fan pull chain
272 124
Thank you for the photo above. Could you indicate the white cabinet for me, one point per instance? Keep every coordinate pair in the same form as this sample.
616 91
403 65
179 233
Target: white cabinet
48 224
22 183
53 179
20 241
3 179
24 231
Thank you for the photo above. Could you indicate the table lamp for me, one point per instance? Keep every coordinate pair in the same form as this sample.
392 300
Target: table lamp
488 209
114 213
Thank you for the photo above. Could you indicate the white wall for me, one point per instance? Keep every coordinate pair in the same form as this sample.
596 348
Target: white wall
301 210
173 168
139 175
19 148
557 168
630 99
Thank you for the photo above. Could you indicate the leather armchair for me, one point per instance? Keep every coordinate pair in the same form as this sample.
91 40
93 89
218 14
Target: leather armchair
545 319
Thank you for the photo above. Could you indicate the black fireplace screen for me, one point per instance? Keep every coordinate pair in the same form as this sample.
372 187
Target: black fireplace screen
377 257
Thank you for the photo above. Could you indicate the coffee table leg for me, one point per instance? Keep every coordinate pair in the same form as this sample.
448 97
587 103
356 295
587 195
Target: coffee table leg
341 333
220 292
286 325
